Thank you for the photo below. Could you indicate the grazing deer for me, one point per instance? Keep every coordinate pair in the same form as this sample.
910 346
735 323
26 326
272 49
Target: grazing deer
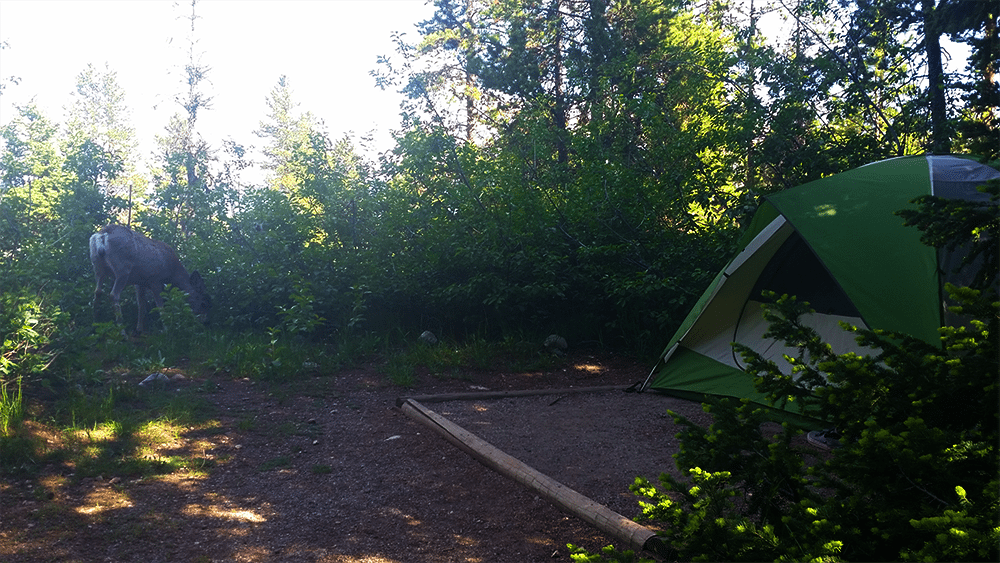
133 259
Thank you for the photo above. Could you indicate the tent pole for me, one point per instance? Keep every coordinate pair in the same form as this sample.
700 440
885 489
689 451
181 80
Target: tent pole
663 358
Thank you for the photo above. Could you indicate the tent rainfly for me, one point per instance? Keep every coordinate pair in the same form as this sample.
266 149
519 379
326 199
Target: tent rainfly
837 244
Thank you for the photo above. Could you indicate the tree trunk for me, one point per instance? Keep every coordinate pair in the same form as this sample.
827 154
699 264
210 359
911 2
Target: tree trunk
559 111
940 138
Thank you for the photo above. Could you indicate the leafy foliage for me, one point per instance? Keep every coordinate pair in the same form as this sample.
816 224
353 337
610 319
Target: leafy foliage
918 426
973 226
27 330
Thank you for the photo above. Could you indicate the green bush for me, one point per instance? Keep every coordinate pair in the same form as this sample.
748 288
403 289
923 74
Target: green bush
26 328
916 477
182 332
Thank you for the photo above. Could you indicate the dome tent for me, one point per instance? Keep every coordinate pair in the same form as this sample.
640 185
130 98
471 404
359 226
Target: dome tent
836 243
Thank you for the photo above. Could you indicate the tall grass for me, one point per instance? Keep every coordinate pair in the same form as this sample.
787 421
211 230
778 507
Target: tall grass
11 407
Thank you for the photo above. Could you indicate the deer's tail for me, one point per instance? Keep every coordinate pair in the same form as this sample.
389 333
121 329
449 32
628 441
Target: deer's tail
98 246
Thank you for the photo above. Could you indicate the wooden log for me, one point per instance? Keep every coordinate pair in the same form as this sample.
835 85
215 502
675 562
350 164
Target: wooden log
635 536
474 395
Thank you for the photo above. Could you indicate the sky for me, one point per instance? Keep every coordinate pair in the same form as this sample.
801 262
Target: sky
326 48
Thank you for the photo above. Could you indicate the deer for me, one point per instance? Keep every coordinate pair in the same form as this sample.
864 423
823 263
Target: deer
131 258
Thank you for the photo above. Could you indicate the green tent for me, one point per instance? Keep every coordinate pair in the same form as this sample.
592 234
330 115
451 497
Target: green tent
837 244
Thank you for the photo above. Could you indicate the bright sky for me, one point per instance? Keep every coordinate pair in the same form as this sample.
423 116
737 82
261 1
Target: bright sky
325 47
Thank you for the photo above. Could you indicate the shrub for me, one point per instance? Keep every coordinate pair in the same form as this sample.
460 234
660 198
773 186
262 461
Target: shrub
26 328
916 477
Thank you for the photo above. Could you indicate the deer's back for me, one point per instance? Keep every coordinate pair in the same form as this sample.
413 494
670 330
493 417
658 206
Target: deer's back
149 261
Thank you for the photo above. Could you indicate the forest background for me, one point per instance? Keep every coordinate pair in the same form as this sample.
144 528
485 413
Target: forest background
579 167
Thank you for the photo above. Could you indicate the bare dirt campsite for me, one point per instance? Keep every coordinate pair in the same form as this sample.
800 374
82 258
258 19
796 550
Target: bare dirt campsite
329 469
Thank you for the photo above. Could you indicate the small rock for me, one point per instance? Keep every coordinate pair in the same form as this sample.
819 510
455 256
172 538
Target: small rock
154 378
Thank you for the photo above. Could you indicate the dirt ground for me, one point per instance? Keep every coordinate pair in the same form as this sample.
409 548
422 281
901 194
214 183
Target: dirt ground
330 470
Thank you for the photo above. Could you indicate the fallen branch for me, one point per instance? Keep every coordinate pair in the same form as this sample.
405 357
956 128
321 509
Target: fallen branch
473 395
637 537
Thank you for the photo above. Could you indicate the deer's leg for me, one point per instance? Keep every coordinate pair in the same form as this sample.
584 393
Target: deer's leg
157 291
97 294
116 294
102 272
140 303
